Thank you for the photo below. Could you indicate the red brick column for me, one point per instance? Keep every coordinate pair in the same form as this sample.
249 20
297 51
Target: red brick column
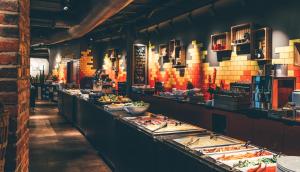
14 79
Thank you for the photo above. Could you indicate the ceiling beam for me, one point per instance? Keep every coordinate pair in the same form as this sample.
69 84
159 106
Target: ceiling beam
36 22
45 6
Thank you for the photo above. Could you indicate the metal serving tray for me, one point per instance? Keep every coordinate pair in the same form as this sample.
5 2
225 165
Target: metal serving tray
205 151
171 129
197 142
231 163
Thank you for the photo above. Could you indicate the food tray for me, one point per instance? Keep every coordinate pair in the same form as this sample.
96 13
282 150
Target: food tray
173 126
226 149
197 142
225 157
254 161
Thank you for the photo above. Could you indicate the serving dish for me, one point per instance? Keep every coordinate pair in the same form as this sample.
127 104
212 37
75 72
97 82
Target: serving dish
159 124
135 109
248 161
227 149
111 98
197 142
114 107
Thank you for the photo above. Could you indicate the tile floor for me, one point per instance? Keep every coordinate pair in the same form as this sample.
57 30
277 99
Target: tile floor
55 146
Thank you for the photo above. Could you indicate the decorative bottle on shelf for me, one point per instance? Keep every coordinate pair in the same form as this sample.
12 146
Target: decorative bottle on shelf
259 52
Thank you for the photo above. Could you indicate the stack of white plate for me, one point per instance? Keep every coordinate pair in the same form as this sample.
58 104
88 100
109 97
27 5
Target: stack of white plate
288 164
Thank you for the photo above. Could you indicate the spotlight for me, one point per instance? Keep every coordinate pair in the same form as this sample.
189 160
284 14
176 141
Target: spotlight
66 5
66 8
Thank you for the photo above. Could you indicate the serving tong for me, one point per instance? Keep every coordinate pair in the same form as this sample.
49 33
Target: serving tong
213 136
192 142
247 144
164 125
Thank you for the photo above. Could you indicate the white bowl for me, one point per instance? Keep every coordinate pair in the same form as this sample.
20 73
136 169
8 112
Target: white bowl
137 110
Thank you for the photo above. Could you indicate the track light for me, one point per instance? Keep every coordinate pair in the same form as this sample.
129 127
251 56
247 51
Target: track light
66 5
66 8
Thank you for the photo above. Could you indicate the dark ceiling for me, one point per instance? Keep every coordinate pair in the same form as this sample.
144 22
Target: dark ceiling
142 13
48 16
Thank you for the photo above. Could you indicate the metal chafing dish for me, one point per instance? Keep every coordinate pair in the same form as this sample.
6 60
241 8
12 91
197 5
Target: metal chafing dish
227 153
161 125
248 160
227 149
197 142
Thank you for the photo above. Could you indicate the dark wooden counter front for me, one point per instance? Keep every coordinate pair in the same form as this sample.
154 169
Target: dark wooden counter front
66 104
99 127
255 126
127 148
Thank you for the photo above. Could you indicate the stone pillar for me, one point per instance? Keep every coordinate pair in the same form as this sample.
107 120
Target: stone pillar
14 79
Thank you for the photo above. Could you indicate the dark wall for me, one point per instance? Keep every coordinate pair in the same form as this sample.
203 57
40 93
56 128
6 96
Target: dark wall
70 49
101 48
280 15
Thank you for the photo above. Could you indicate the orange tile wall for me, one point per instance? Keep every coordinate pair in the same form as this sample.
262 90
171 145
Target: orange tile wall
86 67
237 69
171 76
62 72
121 75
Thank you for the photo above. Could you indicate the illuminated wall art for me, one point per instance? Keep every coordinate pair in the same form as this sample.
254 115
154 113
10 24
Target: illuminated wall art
116 73
175 77
86 64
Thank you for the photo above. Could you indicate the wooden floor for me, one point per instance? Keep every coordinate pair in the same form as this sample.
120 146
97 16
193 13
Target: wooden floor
55 146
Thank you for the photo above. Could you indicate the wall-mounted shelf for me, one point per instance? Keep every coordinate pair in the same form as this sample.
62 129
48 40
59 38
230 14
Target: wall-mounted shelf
241 34
172 44
180 57
114 56
297 54
177 54
221 42
164 53
242 38
262 44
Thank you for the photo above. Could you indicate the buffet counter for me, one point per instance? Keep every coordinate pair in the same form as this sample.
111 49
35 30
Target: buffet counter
132 144
253 125
66 105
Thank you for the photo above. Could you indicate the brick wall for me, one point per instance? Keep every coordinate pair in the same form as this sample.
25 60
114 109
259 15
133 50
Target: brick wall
14 79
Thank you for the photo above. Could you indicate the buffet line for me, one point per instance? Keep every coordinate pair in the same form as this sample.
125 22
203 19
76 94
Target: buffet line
225 153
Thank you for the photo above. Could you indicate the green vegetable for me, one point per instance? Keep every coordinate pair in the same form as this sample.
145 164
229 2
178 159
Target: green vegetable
137 103
247 163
